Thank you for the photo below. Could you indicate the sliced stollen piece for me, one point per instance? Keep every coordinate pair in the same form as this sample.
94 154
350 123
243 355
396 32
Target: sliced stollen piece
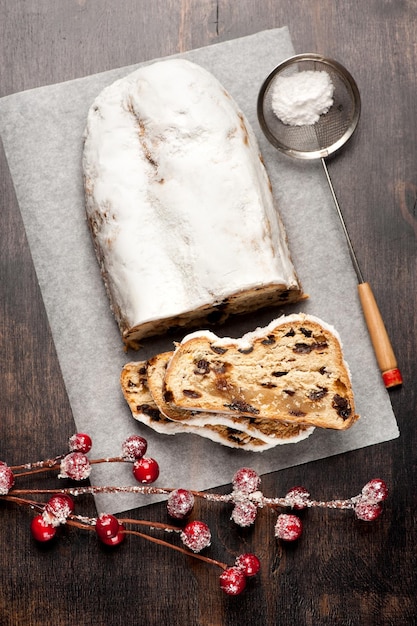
293 370
144 409
270 431
179 203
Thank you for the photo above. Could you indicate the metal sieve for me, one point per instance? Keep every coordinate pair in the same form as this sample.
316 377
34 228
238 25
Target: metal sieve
317 141
332 130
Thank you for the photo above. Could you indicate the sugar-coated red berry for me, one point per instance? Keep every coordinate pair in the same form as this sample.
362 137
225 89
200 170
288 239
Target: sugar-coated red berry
288 527
180 503
134 447
41 530
244 513
246 480
297 497
366 511
375 491
116 539
145 470
233 581
196 536
107 526
58 509
80 442
248 563
75 465
6 478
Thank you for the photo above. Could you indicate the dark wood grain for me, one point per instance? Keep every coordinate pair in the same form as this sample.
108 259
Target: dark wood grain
342 571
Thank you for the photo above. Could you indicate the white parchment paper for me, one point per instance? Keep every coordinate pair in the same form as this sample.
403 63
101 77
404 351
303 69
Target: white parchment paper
42 133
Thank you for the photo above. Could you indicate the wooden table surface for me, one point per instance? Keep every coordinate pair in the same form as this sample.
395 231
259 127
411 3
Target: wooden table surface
343 571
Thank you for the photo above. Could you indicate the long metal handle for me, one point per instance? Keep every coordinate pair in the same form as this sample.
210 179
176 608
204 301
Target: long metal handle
384 353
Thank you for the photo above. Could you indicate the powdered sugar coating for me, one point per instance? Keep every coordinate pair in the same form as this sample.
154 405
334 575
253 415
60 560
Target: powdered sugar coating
6 478
196 536
76 466
244 513
246 480
367 511
58 509
178 198
297 498
233 581
80 442
301 98
248 563
180 503
375 491
134 447
288 527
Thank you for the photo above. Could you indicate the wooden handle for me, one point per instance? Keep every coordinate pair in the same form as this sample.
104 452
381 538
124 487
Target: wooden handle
383 350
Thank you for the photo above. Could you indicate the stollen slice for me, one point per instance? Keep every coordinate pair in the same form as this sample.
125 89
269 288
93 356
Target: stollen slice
270 431
293 370
145 410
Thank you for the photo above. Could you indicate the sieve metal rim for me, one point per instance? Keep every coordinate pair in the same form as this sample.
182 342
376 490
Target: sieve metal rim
348 80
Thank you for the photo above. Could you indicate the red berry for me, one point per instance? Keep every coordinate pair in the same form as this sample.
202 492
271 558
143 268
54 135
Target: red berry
146 470
232 581
6 479
366 511
116 539
75 465
375 491
58 509
134 447
80 442
288 527
196 536
249 564
244 513
246 480
107 526
180 503
41 530
297 497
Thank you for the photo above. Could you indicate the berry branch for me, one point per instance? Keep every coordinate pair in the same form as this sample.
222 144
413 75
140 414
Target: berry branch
245 498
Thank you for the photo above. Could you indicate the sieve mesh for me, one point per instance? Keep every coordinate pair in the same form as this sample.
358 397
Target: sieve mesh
333 128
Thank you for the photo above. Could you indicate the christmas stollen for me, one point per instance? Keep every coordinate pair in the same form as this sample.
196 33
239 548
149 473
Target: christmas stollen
293 371
229 431
144 409
179 204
